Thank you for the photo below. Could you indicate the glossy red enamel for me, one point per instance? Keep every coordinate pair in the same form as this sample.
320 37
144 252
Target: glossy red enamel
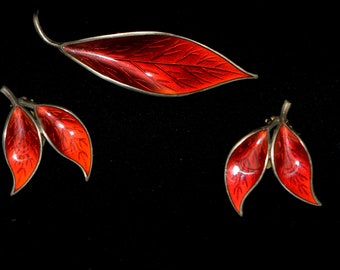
292 164
67 134
156 63
22 144
245 166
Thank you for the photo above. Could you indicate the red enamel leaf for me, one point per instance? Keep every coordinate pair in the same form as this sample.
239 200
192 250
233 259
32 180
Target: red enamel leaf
245 166
22 146
292 164
67 134
152 62
155 62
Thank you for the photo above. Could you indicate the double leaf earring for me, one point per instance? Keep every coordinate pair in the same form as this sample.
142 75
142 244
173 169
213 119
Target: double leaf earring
284 151
157 63
27 128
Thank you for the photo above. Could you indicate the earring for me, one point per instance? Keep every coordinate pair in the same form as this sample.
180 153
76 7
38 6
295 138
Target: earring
155 63
284 151
27 128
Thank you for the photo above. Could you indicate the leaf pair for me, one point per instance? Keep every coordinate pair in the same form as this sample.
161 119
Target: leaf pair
155 63
26 128
285 152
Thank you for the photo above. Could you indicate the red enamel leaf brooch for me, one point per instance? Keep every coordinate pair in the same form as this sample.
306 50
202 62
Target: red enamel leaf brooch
25 131
151 62
284 151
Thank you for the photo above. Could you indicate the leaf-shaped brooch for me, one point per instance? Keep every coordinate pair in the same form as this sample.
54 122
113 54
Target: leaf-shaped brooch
284 151
155 63
26 128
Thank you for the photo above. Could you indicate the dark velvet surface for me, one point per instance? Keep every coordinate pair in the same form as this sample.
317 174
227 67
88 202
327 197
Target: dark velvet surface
156 198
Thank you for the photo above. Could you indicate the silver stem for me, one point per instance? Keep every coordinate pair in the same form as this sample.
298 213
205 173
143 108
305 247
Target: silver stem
8 93
41 33
284 111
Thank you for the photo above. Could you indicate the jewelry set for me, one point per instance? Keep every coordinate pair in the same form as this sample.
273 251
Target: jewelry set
161 64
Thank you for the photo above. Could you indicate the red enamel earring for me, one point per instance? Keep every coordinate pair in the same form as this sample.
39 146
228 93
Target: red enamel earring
155 63
282 149
28 126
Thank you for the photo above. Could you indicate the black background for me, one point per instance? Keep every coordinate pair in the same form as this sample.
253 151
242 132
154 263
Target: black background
156 197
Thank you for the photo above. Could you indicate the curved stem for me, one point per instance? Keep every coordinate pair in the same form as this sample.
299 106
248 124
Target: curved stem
8 93
41 33
284 111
